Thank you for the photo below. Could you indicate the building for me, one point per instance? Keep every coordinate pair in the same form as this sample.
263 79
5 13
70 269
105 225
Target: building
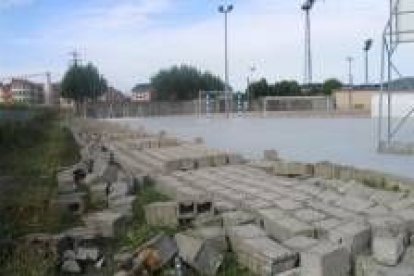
142 93
353 99
5 96
26 92
113 96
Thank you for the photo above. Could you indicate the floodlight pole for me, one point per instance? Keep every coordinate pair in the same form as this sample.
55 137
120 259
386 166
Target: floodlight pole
226 9
367 48
351 81
307 7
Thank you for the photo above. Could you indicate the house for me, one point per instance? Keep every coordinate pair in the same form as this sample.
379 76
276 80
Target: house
5 96
142 93
112 96
27 92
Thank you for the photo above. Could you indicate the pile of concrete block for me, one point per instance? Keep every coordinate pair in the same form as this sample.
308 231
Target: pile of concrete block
346 219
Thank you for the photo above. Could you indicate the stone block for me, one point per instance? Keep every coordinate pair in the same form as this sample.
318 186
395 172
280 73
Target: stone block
264 256
288 204
309 215
326 259
324 226
162 214
355 236
300 244
388 225
239 232
109 224
388 250
73 203
354 204
231 219
201 254
407 215
283 227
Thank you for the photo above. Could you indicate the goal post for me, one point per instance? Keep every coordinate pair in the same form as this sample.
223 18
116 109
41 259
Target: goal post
296 103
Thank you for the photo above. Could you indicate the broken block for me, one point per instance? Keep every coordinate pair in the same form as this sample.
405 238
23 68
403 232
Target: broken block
109 224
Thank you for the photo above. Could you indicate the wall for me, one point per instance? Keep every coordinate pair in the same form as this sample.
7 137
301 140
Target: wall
361 100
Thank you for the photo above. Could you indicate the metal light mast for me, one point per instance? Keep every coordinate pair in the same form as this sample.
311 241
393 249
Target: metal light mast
307 7
226 9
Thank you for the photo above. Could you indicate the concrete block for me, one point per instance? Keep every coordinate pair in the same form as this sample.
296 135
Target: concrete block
368 266
248 231
326 259
355 236
237 218
288 204
386 197
388 250
214 235
264 256
407 215
73 203
324 226
300 243
283 227
354 204
109 224
388 225
309 215
199 253
162 214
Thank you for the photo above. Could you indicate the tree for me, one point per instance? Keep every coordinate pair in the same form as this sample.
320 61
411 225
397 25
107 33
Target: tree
287 88
81 83
259 89
184 83
330 85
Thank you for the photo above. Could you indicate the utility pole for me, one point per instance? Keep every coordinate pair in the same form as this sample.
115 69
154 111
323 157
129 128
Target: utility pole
226 9
75 57
351 81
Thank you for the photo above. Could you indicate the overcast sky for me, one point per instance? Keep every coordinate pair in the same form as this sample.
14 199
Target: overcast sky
130 40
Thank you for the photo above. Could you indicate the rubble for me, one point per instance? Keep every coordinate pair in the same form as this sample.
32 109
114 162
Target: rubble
162 214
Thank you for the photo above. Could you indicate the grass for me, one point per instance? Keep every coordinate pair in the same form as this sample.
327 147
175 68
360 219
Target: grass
381 184
32 151
230 267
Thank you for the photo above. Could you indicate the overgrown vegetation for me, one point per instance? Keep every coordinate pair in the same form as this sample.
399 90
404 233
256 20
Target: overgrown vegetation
32 151
382 184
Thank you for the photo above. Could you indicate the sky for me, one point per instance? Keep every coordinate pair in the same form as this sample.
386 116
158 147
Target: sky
130 40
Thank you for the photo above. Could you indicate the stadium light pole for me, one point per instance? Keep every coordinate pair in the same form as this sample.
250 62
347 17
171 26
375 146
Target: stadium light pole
226 9
307 7
252 69
367 48
351 80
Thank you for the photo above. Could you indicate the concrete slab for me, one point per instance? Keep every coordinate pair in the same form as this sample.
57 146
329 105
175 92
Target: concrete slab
388 250
264 256
355 236
309 215
326 259
283 227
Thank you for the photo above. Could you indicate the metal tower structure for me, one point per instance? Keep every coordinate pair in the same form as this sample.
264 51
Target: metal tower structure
307 7
398 30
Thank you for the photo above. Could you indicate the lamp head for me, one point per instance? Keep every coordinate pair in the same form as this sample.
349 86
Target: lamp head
368 44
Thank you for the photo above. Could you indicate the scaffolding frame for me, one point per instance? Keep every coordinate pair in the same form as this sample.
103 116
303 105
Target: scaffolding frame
393 36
